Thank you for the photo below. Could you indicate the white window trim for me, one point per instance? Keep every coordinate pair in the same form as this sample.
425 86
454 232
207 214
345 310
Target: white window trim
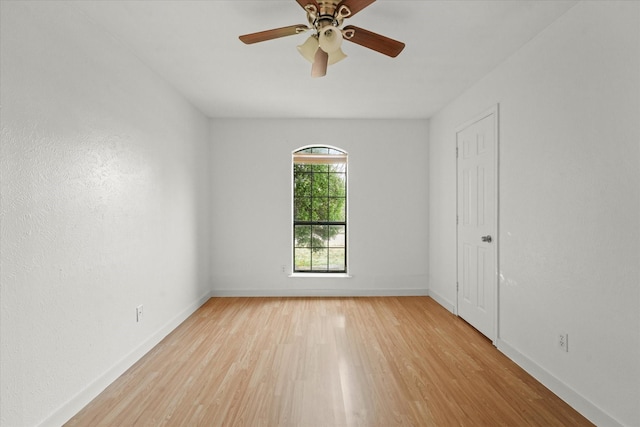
322 275
320 159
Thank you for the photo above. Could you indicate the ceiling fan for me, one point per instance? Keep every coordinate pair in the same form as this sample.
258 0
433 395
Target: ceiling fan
323 47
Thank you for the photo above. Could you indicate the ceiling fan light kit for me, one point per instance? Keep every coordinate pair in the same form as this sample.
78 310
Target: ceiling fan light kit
336 56
308 48
324 46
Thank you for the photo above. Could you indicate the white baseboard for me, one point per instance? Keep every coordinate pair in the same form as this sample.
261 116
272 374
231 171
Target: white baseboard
563 391
80 400
443 301
318 292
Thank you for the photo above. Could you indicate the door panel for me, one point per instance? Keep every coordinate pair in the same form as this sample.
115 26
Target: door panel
477 210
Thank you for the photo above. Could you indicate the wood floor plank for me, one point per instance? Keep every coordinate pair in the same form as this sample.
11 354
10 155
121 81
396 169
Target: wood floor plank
392 361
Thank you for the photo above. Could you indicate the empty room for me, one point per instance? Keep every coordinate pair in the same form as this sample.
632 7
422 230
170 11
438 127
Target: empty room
319 213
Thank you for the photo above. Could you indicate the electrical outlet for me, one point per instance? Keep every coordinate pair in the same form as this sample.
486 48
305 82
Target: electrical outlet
283 268
139 313
563 342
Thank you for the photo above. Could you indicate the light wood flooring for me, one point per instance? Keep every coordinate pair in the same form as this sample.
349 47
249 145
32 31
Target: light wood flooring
391 361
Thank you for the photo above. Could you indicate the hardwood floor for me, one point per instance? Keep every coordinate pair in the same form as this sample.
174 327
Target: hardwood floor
392 361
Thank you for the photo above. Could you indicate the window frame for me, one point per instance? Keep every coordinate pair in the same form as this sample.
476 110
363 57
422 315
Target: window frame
342 158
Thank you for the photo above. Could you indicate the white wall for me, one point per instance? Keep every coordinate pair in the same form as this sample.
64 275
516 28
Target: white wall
104 206
569 206
387 205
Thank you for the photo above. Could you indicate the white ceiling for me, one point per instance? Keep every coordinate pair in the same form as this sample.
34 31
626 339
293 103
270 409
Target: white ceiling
194 46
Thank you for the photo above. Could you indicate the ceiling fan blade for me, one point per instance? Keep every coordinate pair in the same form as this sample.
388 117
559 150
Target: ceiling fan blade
374 41
273 34
320 62
354 6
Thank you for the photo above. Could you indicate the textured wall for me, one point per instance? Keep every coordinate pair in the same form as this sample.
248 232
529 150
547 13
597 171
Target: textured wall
387 224
569 205
104 206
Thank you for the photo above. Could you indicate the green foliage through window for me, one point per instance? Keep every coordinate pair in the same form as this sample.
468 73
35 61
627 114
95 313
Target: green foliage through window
320 203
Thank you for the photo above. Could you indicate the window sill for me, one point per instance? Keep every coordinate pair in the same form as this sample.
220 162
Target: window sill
322 275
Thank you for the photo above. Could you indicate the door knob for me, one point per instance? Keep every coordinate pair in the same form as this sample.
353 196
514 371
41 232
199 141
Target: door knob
486 239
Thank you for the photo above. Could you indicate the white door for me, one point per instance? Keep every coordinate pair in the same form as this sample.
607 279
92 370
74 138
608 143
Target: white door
477 223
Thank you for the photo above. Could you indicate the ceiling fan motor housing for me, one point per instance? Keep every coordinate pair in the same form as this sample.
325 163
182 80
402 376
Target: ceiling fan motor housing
325 14
327 7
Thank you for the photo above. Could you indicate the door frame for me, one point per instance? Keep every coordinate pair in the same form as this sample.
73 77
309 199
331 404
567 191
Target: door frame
495 110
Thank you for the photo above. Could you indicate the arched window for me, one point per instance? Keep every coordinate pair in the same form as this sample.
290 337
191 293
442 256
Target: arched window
319 210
